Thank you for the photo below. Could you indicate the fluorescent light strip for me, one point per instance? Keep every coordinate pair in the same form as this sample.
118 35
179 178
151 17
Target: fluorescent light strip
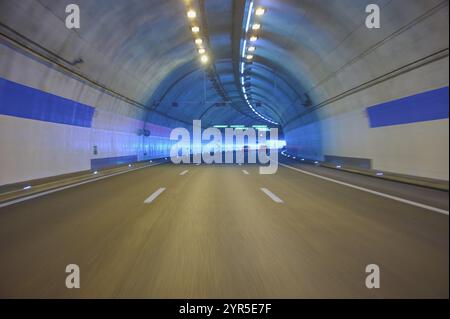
244 49
248 17
258 114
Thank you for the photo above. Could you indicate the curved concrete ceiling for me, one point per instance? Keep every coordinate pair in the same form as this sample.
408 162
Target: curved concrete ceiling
145 51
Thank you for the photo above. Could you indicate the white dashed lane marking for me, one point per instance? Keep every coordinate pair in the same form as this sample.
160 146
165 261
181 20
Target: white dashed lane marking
153 196
274 197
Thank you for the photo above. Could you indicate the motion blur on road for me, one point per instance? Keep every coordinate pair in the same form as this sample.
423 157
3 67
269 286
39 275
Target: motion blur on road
224 149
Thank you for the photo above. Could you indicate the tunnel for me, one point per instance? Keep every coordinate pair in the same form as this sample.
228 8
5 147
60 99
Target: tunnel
118 179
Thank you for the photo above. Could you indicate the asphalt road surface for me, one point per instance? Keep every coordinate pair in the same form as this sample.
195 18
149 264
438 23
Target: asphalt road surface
224 231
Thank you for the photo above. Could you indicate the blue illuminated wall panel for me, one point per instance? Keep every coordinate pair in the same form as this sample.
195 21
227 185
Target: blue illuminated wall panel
22 101
427 106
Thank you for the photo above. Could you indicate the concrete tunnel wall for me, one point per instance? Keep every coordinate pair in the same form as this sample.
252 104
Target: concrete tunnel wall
320 50
38 137
405 58
43 140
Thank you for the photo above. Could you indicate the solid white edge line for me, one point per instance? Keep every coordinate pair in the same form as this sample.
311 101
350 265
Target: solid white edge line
274 197
153 196
22 199
245 172
184 172
398 199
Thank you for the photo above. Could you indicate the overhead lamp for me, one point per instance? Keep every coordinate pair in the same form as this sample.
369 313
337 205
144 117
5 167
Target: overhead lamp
201 51
195 29
249 57
260 11
253 38
204 58
198 41
256 26
251 49
192 14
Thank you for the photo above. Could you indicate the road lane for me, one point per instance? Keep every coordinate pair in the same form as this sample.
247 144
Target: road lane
45 190
214 234
424 195
350 229
39 236
367 190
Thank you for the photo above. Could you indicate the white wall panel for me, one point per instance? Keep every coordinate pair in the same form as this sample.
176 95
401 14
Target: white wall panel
35 149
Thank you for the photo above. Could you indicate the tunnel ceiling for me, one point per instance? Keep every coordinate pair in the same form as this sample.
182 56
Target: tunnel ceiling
144 49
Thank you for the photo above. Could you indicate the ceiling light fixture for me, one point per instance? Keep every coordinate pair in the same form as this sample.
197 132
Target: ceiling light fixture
253 38
204 58
191 14
195 29
256 26
260 11
198 41
251 49
201 51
